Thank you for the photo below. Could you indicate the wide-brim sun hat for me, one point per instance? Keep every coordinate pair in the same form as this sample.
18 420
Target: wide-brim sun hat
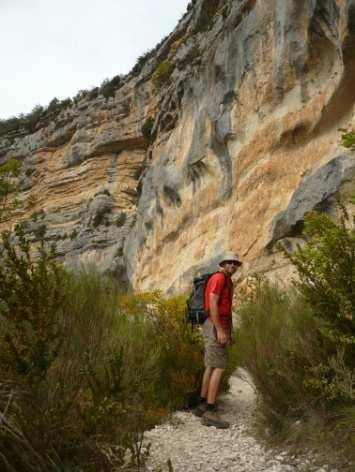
230 256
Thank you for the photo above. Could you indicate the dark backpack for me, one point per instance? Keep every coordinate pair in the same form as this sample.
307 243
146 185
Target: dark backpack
195 312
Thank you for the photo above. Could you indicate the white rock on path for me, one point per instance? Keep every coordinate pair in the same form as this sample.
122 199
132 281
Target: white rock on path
193 447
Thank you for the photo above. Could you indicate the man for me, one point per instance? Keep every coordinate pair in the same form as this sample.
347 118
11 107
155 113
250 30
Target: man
217 335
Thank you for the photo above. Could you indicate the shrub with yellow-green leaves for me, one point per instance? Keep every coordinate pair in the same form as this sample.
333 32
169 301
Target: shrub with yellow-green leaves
163 73
348 138
85 368
299 345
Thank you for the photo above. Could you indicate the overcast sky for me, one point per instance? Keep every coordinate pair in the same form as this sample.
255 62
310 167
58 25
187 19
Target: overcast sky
53 48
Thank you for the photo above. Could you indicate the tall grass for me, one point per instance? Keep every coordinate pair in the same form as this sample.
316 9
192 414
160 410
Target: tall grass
101 367
305 397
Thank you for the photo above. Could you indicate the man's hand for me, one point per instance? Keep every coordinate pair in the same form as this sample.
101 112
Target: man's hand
222 336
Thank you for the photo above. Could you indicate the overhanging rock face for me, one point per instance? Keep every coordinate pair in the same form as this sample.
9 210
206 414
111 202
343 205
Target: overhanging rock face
244 101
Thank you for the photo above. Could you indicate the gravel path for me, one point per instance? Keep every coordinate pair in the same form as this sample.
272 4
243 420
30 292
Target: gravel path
193 447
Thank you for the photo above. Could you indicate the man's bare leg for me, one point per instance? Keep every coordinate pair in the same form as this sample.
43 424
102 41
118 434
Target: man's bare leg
206 381
211 416
214 384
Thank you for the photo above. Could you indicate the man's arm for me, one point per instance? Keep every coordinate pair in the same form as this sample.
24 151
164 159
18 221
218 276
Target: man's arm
222 336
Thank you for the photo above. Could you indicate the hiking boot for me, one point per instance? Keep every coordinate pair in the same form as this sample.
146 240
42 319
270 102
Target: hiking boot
212 418
200 409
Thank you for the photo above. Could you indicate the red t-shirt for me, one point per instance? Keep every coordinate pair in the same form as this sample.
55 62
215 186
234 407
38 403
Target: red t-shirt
222 285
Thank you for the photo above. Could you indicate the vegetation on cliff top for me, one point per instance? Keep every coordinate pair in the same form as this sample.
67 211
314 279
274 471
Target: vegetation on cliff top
40 116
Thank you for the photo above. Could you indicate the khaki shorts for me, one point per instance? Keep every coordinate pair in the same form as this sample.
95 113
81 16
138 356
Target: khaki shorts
215 353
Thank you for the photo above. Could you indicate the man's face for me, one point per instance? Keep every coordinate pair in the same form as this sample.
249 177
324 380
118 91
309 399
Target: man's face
230 267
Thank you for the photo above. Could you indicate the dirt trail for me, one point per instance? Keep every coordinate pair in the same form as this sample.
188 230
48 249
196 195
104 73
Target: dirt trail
193 447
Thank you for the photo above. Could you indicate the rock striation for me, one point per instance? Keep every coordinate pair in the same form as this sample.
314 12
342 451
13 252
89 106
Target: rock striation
224 138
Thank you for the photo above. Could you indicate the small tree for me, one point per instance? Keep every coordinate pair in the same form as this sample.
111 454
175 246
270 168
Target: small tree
31 293
109 87
326 270
348 139
326 267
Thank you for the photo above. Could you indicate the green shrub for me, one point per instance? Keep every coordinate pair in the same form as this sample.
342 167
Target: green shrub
63 392
178 376
277 346
67 102
32 121
306 397
348 139
326 268
207 15
94 92
141 61
299 345
109 87
53 105
163 73
30 299
85 369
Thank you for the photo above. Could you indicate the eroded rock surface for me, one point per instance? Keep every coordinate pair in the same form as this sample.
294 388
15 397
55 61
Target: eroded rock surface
244 141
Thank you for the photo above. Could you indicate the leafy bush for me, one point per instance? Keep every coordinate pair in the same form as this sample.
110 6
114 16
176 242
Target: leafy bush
348 139
31 120
30 298
277 347
80 95
163 73
94 92
109 87
179 375
85 369
34 120
299 345
305 397
326 267
53 105
141 61
207 14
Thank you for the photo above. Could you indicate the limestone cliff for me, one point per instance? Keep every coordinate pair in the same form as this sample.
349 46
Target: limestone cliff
225 138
